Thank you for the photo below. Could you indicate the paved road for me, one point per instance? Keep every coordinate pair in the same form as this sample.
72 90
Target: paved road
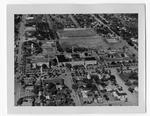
123 21
18 87
69 82
75 22
131 98
49 21
19 91
98 20
22 37
50 24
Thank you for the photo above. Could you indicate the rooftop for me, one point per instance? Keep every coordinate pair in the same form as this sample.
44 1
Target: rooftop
62 58
112 40
89 58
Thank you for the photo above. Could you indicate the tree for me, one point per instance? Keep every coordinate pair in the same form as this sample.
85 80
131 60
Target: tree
128 83
131 89
109 49
36 89
75 87
25 48
44 66
124 47
54 62
89 85
106 97
51 85
86 54
112 77
94 88
95 77
129 61
75 67
133 55
134 61
68 66
122 55
20 101
31 66
103 84
69 91
33 101
40 44
113 63
50 64
133 75
38 67
57 43
135 83
69 50
90 93
60 49
22 81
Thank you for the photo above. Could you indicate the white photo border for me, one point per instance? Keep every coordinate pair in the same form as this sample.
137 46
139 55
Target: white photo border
66 9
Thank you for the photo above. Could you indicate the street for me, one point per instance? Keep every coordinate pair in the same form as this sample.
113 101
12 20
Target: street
69 82
131 97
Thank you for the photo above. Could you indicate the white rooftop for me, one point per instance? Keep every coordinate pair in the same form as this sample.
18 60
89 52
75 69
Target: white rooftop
112 41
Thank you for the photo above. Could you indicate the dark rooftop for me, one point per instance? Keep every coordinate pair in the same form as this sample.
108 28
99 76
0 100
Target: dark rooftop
90 58
62 58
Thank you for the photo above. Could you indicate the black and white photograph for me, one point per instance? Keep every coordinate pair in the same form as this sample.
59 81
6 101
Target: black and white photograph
77 59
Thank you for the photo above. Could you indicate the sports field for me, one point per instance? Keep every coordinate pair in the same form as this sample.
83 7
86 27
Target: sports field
88 42
96 42
86 38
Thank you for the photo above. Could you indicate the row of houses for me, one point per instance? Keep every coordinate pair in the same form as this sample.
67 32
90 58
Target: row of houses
121 65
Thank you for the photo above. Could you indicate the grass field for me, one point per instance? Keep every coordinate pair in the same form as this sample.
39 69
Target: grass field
97 42
88 42
86 38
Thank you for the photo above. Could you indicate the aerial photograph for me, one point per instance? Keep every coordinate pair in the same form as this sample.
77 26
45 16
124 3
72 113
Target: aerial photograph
76 59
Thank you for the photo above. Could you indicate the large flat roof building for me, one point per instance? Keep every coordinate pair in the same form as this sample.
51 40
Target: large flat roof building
112 40
78 32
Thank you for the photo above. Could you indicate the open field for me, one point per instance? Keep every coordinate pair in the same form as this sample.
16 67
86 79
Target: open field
91 42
